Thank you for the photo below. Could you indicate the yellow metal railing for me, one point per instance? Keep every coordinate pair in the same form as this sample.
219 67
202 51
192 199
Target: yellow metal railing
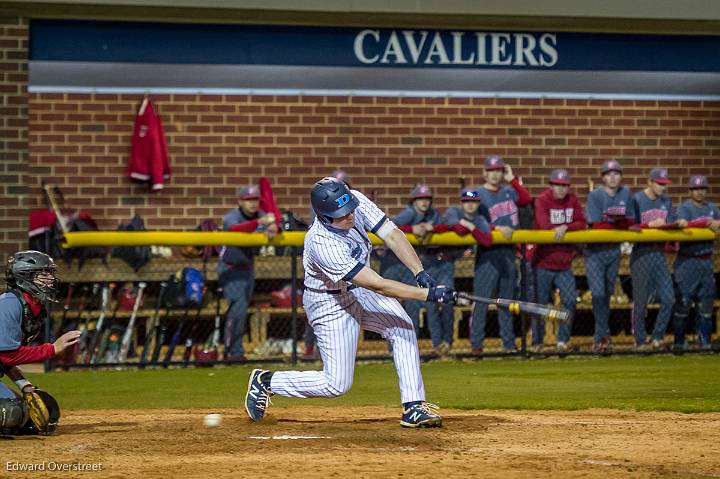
182 238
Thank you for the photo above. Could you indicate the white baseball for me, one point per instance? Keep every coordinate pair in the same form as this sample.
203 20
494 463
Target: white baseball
212 420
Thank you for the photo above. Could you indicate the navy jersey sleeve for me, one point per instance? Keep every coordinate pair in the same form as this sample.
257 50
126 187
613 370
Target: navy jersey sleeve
481 223
405 217
685 212
10 322
452 217
593 209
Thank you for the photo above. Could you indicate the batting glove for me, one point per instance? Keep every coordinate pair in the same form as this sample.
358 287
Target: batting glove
441 294
424 280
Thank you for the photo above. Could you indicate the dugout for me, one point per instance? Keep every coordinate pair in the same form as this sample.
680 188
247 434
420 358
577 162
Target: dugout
396 94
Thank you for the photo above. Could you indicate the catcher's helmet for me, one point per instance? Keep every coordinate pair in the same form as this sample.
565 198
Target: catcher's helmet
24 272
331 198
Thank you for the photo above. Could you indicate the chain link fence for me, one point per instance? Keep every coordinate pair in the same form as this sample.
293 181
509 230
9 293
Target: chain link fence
179 309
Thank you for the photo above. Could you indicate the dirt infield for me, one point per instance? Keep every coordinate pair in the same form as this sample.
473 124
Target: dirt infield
368 442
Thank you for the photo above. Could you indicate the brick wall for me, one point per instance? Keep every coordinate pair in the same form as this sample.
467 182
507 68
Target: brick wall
13 134
82 141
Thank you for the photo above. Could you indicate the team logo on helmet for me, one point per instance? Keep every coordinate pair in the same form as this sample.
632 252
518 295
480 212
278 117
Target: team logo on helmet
343 200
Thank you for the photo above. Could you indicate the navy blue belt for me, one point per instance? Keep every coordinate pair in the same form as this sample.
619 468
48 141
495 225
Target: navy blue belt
331 291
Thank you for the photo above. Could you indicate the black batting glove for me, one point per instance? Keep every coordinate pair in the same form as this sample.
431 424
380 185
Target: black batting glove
441 294
424 280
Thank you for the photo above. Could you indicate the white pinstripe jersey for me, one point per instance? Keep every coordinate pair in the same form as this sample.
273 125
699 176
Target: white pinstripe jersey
332 257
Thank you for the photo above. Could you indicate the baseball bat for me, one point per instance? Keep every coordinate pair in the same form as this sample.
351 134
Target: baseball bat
105 335
82 344
97 335
213 340
66 308
175 340
516 307
191 333
160 332
127 336
151 325
58 214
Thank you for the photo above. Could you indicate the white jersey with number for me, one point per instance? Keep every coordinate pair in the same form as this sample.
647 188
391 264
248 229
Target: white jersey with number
331 258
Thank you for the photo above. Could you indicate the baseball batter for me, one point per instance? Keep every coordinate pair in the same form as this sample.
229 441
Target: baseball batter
608 207
648 268
694 274
343 295
31 280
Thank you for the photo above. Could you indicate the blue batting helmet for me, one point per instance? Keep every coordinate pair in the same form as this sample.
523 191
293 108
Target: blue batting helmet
331 198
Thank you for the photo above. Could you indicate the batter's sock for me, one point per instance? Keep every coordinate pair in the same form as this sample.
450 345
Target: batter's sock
266 379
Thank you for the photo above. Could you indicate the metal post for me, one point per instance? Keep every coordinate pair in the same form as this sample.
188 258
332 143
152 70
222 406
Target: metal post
523 296
294 305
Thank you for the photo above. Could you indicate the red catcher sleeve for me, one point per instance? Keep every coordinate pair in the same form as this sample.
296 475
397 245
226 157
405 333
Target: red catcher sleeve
27 355
542 217
524 197
482 238
460 229
246 227
441 228
405 228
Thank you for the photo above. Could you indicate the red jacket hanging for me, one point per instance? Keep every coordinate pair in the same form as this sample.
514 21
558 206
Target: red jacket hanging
148 154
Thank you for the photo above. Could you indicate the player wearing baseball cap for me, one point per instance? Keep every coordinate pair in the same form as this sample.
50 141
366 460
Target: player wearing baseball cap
495 271
344 296
236 266
648 267
463 220
420 219
694 273
608 207
556 209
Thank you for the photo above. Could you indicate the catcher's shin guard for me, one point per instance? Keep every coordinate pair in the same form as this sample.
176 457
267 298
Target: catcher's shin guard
43 410
13 415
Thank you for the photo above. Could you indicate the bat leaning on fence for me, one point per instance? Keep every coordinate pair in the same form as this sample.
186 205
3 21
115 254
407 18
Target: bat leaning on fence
517 307
97 334
127 336
177 335
151 326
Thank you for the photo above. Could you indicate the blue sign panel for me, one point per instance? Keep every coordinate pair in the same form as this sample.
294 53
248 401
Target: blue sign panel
144 42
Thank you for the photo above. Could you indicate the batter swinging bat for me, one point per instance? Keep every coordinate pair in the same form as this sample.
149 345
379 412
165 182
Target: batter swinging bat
516 307
127 336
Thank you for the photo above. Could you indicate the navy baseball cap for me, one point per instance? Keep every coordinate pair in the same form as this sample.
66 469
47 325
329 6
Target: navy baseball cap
470 194
250 192
559 177
611 165
659 175
698 181
494 162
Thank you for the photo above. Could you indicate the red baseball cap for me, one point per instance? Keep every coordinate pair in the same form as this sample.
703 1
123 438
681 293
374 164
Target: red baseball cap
659 175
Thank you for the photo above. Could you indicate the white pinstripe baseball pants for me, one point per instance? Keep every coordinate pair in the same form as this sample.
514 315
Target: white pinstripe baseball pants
336 320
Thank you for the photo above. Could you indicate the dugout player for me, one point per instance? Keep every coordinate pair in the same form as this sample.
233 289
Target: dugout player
31 282
608 207
495 270
556 209
420 219
343 295
694 274
648 267
236 267
463 220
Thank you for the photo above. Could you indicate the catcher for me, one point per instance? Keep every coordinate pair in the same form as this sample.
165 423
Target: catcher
31 282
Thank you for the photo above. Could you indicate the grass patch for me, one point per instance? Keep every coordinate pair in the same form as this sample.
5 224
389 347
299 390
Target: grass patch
648 383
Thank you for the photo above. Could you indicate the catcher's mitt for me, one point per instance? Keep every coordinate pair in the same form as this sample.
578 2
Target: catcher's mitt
43 410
